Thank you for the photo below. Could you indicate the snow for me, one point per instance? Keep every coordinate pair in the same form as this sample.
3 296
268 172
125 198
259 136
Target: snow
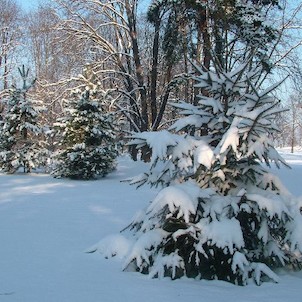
261 268
204 155
172 260
140 252
223 233
191 120
230 139
276 208
176 199
49 225
112 245
263 232
239 261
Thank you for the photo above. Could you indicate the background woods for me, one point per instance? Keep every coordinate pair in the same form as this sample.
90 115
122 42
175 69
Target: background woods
142 54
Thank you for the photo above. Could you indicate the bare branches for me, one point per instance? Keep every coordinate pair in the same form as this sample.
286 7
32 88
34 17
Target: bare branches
10 38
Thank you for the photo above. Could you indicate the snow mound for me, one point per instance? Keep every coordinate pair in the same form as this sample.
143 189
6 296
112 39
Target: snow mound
112 246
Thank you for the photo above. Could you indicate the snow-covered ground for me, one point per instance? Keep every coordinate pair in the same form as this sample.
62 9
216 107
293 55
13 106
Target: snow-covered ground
47 224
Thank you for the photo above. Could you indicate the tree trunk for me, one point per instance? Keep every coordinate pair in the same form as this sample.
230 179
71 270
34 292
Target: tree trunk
203 34
293 139
138 67
164 101
154 72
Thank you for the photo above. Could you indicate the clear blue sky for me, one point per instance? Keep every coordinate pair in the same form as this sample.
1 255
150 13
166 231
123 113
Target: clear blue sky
29 5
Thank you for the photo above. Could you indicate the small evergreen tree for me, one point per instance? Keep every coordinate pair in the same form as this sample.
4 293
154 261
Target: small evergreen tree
20 132
222 214
87 148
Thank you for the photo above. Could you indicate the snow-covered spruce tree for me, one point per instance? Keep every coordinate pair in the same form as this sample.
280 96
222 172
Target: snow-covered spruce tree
21 143
88 147
222 214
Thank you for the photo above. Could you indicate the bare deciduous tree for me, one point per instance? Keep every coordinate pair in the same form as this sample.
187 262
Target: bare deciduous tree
10 38
121 56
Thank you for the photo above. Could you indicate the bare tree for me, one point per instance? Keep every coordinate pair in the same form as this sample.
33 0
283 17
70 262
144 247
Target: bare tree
122 57
55 58
10 38
290 123
140 59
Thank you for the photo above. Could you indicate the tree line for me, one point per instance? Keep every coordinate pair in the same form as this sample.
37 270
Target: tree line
142 54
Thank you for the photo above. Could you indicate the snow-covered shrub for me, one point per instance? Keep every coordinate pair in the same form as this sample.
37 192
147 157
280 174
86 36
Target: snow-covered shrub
197 232
21 140
222 214
87 147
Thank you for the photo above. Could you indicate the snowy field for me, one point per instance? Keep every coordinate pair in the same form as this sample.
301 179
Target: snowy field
47 224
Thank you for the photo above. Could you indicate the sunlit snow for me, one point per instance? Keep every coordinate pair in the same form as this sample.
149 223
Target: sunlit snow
48 226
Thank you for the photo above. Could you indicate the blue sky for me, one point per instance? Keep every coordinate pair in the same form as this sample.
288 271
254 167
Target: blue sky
28 5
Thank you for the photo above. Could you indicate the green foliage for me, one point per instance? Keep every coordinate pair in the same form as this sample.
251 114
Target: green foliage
20 132
88 147
224 28
222 215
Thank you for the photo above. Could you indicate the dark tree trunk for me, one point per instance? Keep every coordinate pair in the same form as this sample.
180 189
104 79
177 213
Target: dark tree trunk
138 67
154 72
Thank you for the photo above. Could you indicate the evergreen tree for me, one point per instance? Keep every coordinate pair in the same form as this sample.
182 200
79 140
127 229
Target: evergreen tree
227 27
88 147
20 132
222 214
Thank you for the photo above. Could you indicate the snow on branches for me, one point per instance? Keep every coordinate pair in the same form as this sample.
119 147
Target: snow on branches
88 147
221 214
21 130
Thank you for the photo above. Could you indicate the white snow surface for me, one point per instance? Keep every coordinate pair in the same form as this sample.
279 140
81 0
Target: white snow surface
47 226
223 233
